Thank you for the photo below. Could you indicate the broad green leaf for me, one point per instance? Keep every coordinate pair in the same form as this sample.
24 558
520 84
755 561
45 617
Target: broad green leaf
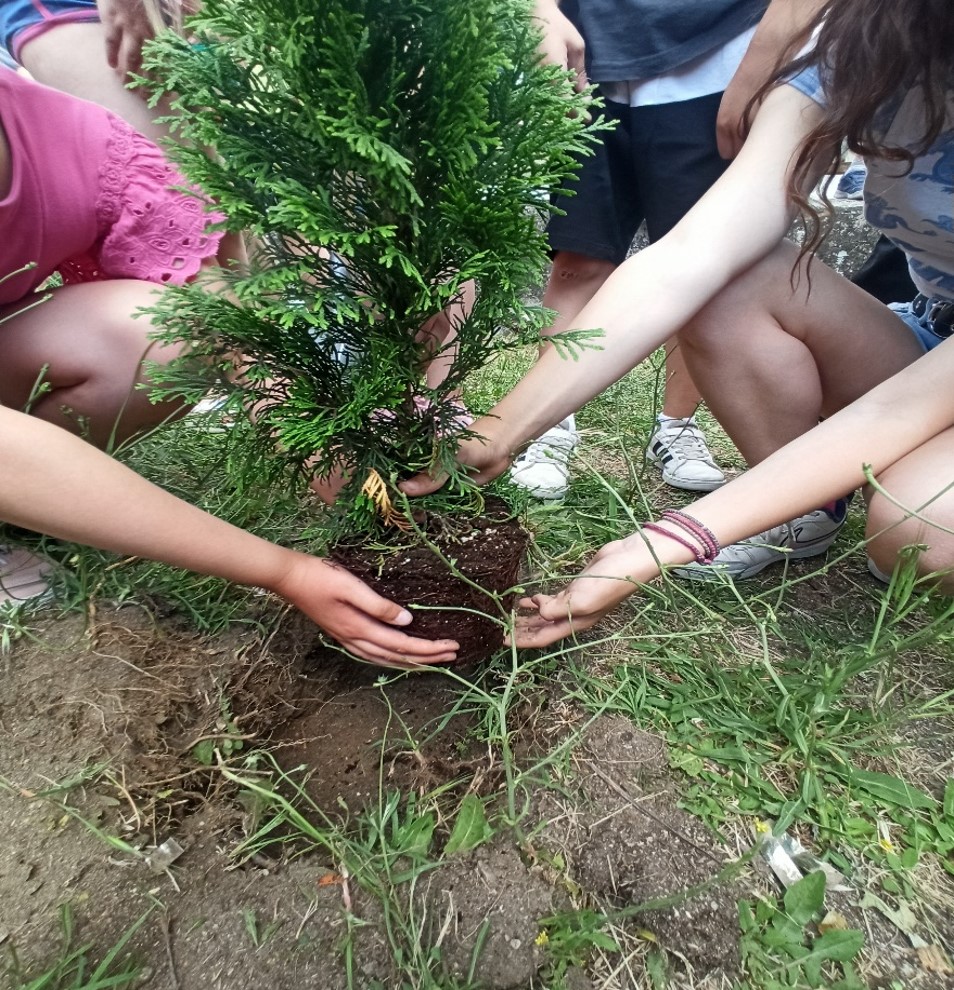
656 970
803 900
909 858
891 790
414 838
204 752
471 827
689 763
838 946
602 941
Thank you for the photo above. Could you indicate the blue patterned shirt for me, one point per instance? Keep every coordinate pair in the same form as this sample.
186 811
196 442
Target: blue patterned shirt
914 209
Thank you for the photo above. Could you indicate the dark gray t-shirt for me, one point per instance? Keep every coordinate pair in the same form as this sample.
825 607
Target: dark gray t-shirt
639 39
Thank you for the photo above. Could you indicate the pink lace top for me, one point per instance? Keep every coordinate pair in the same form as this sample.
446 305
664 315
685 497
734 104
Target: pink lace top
90 197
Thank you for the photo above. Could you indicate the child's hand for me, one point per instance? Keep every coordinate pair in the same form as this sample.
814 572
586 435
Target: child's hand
483 456
127 28
561 43
612 575
357 617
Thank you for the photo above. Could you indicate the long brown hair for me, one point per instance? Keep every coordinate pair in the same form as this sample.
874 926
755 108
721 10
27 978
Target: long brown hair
870 53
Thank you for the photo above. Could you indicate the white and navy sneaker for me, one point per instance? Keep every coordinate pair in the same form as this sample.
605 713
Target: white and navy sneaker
542 469
806 536
679 449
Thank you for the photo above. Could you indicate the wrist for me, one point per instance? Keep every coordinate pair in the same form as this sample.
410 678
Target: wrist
275 570
654 551
497 438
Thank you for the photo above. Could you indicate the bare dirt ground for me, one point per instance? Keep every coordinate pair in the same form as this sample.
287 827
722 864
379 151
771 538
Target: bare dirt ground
111 720
138 697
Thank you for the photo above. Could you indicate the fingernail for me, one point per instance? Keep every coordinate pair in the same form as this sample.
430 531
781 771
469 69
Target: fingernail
404 618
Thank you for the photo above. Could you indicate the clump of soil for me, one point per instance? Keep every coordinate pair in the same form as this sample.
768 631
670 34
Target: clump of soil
459 581
627 842
129 692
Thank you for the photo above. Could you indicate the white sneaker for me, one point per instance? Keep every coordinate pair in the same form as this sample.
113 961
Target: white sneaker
209 414
23 576
542 468
681 451
806 536
879 575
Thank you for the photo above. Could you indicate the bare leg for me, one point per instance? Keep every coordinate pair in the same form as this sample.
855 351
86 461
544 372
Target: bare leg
574 280
681 398
440 332
92 345
542 469
773 360
921 478
72 58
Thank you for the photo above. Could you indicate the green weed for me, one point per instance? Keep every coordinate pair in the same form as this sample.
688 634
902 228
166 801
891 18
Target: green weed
781 950
783 738
384 853
258 933
77 968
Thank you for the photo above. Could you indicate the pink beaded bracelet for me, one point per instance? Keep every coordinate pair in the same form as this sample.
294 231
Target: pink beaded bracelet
699 556
699 531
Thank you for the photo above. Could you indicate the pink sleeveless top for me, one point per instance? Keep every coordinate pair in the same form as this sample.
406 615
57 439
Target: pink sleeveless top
90 197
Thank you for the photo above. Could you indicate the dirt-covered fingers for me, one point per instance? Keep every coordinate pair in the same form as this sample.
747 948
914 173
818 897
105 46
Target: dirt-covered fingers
532 630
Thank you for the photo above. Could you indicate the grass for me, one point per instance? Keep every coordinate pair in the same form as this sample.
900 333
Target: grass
78 968
781 948
809 699
386 855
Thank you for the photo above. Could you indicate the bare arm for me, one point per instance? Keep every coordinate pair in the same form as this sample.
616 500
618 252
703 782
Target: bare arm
655 292
876 430
783 28
55 483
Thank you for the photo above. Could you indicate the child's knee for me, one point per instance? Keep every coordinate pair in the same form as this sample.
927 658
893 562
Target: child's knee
569 267
891 530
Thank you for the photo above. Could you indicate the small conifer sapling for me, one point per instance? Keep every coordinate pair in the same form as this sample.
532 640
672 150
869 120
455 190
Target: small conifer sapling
382 157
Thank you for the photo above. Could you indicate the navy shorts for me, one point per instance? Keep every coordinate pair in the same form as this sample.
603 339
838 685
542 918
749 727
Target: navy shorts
21 20
655 165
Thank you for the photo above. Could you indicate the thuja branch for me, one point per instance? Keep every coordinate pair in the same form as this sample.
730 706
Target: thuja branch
380 155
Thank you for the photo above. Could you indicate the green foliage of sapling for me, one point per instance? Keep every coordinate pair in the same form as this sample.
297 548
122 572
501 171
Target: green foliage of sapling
380 155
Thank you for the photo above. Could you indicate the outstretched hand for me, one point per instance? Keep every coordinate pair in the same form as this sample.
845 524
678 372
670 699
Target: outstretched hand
611 576
483 458
366 624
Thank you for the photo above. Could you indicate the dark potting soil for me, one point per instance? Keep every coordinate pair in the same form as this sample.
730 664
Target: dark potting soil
459 581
